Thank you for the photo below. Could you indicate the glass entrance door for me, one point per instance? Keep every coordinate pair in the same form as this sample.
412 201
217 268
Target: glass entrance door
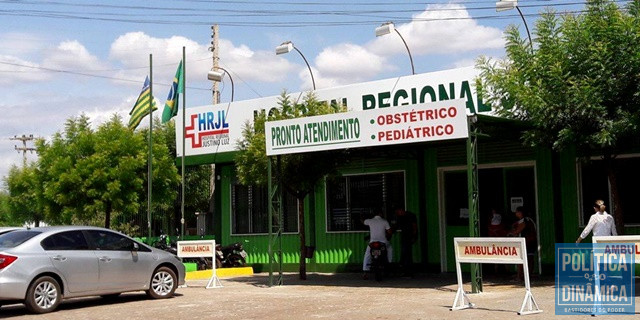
501 189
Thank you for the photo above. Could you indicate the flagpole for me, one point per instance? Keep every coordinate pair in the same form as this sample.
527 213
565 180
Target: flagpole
184 106
150 161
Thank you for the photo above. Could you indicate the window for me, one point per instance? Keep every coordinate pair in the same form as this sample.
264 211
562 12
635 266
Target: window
351 199
104 240
249 210
16 238
595 185
68 240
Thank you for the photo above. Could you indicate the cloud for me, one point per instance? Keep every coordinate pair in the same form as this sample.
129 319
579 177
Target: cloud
440 29
342 64
464 63
72 55
349 62
260 65
20 43
14 71
131 51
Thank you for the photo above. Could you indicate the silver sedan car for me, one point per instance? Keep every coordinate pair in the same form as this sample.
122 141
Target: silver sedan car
41 266
8 229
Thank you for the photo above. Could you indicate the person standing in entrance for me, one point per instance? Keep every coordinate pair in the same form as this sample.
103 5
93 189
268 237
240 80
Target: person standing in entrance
379 230
525 227
600 222
408 223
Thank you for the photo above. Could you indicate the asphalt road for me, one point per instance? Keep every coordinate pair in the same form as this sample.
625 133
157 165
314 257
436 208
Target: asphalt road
341 296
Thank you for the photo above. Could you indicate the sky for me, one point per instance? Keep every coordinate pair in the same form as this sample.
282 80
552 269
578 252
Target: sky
64 58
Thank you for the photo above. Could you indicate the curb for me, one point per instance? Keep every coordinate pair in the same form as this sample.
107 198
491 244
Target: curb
221 273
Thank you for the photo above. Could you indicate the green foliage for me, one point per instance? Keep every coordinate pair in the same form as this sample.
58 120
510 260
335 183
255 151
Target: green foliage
166 184
6 217
25 201
251 162
579 86
87 176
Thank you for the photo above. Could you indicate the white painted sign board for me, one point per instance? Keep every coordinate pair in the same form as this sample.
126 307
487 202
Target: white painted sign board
492 250
635 239
445 120
204 249
217 129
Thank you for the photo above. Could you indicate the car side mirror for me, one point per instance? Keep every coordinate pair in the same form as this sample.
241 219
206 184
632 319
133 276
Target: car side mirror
135 247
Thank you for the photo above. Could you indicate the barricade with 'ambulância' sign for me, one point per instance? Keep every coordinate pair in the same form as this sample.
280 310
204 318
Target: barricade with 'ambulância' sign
635 239
492 250
201 248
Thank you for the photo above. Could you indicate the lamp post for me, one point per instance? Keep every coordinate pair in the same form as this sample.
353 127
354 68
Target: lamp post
504 5
387 28
217 76
286 47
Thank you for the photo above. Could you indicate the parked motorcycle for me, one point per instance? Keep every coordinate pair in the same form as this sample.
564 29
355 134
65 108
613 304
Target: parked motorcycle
231 256
161 244
379 260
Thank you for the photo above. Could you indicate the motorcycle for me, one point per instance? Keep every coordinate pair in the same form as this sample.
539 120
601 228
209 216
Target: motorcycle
379 261
231 256
161 244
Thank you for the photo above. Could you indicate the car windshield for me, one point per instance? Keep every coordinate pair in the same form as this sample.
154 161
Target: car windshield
16 238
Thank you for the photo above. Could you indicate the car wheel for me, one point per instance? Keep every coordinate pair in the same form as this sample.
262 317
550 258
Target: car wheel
163 283
110 296
43 295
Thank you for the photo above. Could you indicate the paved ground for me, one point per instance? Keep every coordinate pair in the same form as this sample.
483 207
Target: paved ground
341 296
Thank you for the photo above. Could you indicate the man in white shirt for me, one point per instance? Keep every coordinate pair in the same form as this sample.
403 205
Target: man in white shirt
600 222
379 228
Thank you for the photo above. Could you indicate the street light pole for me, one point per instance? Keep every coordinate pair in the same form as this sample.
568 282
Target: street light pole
286 47
216 76
504 5
386 28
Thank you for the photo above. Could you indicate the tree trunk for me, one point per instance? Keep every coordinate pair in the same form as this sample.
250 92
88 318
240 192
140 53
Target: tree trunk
303 244
107 215
616 206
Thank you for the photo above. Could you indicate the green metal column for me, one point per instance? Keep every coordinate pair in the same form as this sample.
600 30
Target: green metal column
472 188
275 229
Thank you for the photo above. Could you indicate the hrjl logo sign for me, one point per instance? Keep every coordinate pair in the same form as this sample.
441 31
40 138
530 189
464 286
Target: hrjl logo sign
595 278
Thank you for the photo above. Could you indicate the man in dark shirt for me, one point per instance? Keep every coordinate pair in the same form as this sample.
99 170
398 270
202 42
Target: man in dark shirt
408 223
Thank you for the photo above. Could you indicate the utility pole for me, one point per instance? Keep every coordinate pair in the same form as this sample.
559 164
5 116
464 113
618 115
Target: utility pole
215 50
24 138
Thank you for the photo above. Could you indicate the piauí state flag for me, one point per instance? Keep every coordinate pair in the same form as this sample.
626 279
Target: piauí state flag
142 107
171 106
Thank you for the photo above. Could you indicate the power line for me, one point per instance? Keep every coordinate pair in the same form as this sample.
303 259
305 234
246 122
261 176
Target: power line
239 13
271 12
88 74
290 24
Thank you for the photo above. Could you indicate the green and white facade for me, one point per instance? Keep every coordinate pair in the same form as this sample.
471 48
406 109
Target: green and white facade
428 178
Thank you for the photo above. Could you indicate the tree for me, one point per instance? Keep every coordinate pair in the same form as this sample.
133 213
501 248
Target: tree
5 211
93 176
25 195
578 87
196 180
295 174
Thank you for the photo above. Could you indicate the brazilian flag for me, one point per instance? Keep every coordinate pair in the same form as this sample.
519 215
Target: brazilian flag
143 106
171 106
